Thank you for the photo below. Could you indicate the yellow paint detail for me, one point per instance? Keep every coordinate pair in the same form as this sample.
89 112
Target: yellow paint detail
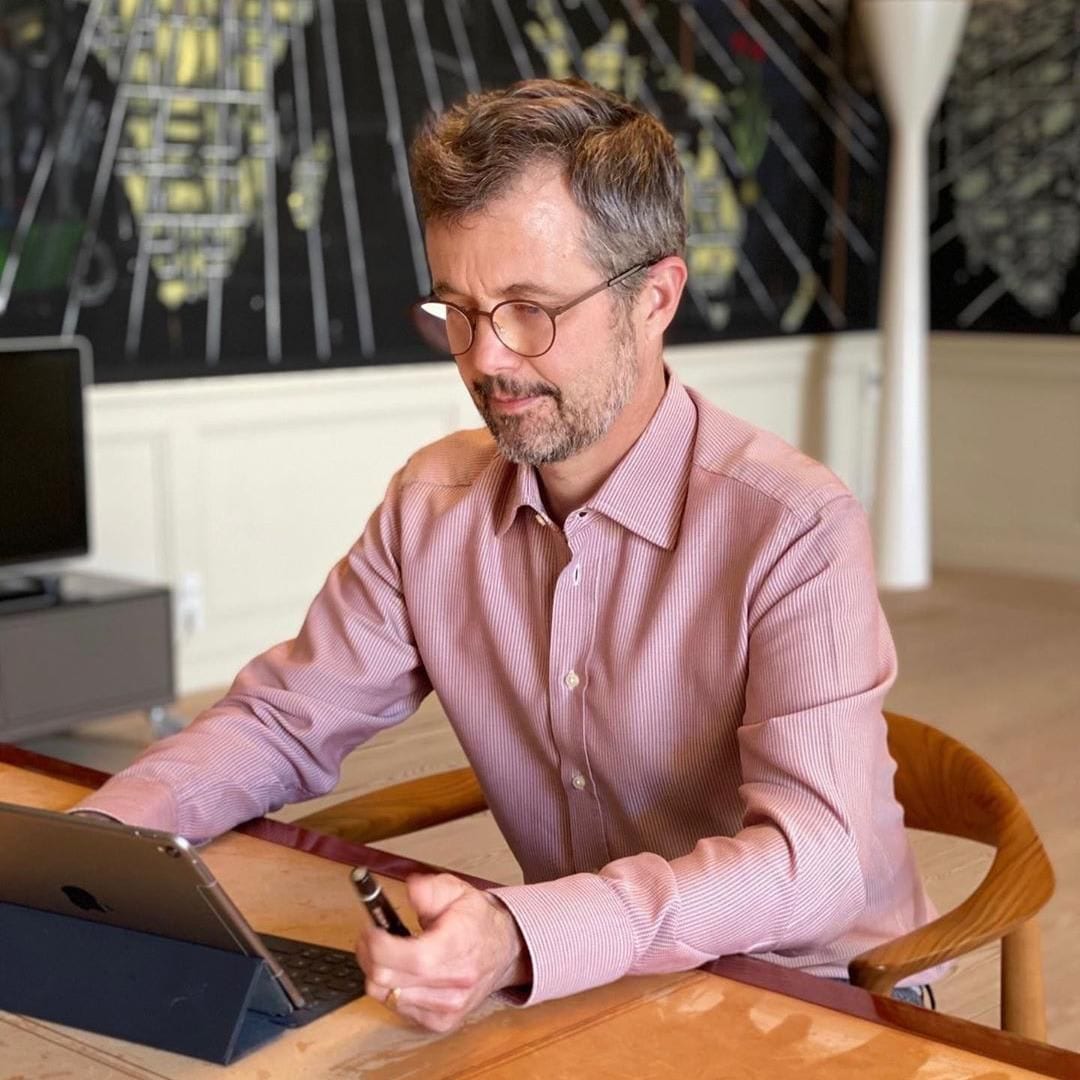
183 131
796 311
163 39
605 61
136 187
186 197
704 99
181 58
252 77
246 187
139 131
730 210
172 293
187 58
141 68
30 31
714 259
550 38
749 191
210 41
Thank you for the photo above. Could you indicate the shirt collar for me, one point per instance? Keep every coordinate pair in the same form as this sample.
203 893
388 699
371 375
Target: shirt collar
646 492
523 490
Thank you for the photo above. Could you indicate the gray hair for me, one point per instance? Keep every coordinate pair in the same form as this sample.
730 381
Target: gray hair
620 163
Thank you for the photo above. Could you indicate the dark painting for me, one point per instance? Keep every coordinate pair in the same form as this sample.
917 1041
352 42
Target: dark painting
1005 174
220 186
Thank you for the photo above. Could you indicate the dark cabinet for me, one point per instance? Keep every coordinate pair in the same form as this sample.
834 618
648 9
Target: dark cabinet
102 646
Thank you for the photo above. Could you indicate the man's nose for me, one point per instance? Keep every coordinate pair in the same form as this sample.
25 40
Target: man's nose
487 355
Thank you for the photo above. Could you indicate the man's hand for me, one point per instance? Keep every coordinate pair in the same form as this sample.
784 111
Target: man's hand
97 814
470 947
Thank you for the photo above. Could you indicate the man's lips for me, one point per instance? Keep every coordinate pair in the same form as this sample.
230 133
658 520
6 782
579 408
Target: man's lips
513 404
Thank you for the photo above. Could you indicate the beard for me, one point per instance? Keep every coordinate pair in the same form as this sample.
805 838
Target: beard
565 422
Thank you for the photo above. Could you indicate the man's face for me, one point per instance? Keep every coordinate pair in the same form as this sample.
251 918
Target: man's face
527 246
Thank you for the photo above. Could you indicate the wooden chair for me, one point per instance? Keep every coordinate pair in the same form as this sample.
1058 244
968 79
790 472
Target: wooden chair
943 786
402 808
947 788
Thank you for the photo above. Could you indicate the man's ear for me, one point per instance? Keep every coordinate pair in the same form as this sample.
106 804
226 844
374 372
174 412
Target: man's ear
659 299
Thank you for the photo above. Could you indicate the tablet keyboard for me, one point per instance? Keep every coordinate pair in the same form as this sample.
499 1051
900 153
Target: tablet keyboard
328 978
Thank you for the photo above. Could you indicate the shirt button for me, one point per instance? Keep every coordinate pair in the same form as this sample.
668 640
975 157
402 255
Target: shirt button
571 680
579 782
542 520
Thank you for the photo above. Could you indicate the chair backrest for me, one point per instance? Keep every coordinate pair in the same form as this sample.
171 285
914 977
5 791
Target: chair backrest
402 808
945 787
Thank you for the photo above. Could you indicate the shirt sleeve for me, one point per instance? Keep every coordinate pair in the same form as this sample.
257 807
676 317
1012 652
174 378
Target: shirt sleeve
294 712
811 742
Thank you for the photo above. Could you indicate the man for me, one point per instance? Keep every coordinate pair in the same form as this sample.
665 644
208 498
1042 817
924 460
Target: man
653 627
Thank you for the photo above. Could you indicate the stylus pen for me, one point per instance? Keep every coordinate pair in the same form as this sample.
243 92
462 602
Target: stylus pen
371 895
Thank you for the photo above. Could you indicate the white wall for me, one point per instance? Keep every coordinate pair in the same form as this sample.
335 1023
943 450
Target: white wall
1005 425
242 492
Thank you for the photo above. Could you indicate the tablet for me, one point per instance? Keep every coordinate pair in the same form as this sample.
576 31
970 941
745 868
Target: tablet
154 882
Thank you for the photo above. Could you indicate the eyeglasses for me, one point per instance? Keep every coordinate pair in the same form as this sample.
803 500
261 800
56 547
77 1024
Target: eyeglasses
523 326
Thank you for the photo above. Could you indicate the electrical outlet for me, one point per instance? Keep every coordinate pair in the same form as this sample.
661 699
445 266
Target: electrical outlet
190 604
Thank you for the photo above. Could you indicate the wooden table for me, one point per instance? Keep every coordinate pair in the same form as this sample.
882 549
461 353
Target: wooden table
739 1018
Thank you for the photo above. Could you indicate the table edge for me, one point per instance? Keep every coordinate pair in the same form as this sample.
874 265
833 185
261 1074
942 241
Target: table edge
986 1042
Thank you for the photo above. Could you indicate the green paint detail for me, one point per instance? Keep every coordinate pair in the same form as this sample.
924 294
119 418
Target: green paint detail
47 256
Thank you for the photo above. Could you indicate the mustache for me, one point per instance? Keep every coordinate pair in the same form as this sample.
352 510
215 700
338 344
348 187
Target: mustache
489 385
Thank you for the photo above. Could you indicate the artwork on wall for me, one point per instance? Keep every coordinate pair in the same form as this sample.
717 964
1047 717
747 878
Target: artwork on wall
221 186
1005 238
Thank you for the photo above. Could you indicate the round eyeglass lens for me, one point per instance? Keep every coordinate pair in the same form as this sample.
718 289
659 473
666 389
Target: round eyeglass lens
443 327
523 327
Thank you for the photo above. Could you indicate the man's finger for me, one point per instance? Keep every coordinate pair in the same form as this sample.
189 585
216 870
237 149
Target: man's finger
430 1008
393 961
434 999
431 894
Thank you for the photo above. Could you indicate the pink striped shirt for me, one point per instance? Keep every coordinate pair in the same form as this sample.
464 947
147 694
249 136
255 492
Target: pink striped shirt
673 703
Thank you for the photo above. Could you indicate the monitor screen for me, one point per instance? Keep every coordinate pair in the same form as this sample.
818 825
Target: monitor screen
42 454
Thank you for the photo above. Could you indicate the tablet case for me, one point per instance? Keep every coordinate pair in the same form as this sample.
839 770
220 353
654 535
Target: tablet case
153 990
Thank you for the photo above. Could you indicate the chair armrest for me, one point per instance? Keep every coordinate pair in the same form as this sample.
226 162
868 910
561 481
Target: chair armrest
402 808
1018 884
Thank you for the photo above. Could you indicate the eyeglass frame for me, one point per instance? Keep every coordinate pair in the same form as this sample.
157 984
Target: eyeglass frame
472 315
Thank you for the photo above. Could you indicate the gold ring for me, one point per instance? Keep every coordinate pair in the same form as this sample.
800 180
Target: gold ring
392 998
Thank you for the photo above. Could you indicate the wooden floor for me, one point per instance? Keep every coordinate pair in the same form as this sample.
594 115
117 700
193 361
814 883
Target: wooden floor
994 661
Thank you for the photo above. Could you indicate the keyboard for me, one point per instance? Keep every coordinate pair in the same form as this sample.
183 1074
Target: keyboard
328 978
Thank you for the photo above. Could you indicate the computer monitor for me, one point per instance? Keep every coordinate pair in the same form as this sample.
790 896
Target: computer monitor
43 502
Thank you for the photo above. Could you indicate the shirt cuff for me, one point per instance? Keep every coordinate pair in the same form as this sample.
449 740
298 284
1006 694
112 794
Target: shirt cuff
135 801
577 934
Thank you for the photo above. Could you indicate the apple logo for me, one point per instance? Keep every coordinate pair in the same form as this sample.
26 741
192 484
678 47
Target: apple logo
82 899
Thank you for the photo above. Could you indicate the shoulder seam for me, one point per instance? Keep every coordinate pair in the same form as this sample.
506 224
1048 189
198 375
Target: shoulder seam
420 480
800 510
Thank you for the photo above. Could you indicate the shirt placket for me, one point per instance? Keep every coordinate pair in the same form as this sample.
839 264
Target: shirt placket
573 621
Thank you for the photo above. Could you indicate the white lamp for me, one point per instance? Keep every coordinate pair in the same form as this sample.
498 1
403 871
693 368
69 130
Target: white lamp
912 45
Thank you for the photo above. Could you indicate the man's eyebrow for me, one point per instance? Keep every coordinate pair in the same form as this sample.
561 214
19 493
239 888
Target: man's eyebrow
522 289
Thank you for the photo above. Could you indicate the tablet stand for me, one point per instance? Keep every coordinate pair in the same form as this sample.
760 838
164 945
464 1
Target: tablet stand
169 994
